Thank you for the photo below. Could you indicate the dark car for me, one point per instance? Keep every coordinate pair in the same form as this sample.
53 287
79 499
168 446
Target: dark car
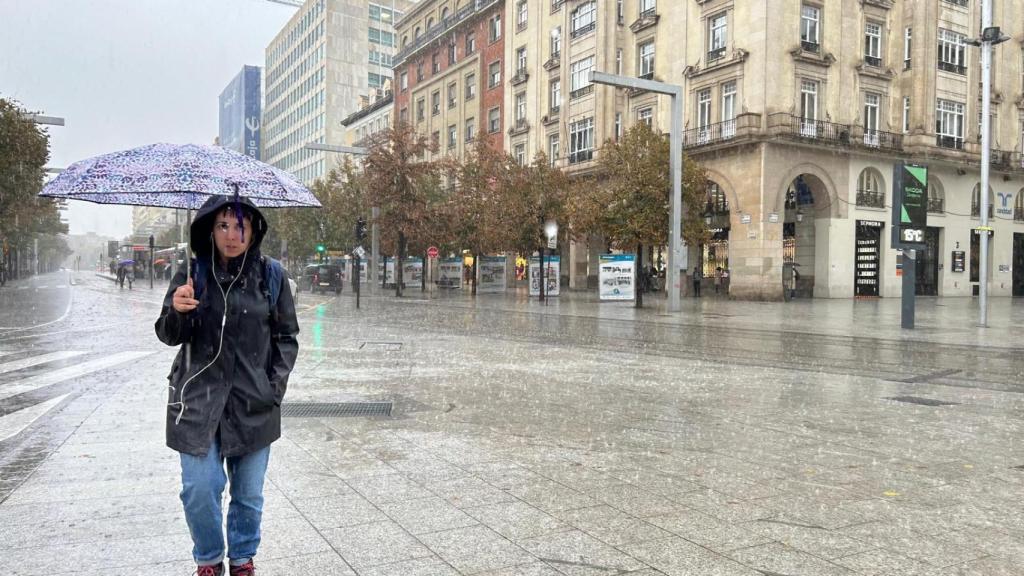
321 278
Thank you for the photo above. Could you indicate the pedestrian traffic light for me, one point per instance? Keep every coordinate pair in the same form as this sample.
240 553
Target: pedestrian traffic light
360 230
320 248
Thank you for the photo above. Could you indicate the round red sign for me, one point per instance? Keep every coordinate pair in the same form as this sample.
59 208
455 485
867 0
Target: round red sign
432 252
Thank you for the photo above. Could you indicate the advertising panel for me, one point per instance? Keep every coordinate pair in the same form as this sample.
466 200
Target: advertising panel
551 275
412 272
239 126
492 274
617 276
450 272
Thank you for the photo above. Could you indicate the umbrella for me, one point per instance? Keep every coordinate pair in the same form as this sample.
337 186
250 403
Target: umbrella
159 261
177 176
126 262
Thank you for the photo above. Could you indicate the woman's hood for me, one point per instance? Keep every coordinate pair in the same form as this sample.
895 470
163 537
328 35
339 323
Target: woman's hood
201 232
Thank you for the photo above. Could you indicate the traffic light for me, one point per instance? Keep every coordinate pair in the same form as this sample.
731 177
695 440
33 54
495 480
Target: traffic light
360 230
320 248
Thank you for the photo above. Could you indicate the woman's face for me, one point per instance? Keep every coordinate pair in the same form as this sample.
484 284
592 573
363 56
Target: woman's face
231 239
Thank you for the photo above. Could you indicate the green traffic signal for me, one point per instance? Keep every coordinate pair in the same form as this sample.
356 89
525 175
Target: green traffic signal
320 248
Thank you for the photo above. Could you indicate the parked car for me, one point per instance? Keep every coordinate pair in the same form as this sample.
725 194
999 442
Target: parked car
293 286
321 278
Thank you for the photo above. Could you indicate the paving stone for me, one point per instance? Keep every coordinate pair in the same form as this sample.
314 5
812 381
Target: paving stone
339 511
678 557
388 488
319 563
516 520
426 515
707 531
429 566
476 549
551 496
821 542
781 559
612 526
577 554
535 569
374 544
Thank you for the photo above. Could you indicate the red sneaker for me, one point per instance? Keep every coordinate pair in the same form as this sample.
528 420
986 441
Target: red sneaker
246 569
210 570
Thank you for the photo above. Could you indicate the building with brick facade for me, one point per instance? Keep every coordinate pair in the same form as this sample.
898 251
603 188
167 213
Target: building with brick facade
450 72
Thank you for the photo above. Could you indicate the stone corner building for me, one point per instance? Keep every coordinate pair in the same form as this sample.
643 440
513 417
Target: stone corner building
799 110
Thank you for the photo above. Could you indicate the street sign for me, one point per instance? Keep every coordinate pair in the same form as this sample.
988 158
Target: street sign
432 252
909 206
359 252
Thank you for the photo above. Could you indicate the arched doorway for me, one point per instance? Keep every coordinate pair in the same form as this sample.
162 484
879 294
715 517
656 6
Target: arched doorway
715 253
808 207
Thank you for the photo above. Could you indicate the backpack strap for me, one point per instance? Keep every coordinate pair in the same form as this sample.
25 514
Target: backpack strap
273 273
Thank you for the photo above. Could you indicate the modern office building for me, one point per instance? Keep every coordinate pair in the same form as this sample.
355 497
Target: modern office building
330 56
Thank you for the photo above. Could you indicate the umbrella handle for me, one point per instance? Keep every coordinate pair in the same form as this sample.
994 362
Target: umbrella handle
188 278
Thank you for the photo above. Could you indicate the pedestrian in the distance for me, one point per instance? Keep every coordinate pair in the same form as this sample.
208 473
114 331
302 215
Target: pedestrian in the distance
697 277
238 317
120 276
718 278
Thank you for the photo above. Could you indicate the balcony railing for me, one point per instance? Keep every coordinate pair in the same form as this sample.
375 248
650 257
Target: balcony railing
554 61
580 156
793 126
957 2
976 209
441 27
935 205
874 61
871 198
579 93
556 4
883 140
584 30
954 68
951 142
716 54
520 77
1018 214
710 134
808 46
1000 158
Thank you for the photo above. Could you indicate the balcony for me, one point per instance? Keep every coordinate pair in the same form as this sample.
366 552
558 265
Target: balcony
976 209
583 30
791 126
580 156
554 62
520 78
873 61
883 140
716 54
951 142
647 19
962 3
521 126
812 47
1000 159
954 68
556 5
935 205
710 134
471 9
581 92
552 116
1018 214
870 199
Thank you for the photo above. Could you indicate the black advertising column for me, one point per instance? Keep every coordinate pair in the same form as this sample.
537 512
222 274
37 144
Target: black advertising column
909 220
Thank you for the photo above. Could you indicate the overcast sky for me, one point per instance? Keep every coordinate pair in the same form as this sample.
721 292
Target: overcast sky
124 73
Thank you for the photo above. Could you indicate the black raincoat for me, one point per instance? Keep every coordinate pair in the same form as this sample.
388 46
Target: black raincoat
237 394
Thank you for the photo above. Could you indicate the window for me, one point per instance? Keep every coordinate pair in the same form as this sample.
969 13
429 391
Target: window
583 19
521 61
645 115
869 189
519 153
470 43
403 81
444 13
556 42
553 145
871 102
717 30
906 115
647 7
645 66
453 135
618 126
906 48
581 140
810 20
470 86
729 109
949 124
435 139
618 61
521 15
403 115
872 44
452 53
435 102
620 12
470 127
494 74
435 63
494 27
704 108
808 108
420 109
555 95
520 109
494 120
453 90
579 78
952 52
419 71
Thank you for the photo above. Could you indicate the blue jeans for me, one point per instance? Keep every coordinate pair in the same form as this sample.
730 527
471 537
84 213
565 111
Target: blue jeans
202 484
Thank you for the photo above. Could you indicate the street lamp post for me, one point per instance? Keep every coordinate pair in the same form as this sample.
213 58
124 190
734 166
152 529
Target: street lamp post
675 255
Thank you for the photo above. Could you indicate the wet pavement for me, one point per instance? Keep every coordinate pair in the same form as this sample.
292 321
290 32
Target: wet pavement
802 438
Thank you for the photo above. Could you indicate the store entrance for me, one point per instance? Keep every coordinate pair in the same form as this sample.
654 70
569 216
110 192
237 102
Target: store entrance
1018 264
927 265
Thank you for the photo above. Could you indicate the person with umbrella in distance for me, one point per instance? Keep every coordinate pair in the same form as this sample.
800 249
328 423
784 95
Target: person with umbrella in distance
237 314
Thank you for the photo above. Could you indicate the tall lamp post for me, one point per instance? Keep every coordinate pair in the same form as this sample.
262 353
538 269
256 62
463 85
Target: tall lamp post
675 253
990 36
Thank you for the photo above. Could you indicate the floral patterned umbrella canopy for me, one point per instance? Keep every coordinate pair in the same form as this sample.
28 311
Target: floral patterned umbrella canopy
177 176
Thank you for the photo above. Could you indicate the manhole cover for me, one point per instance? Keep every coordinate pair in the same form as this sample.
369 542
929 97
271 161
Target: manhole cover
334 410
921 401
387 346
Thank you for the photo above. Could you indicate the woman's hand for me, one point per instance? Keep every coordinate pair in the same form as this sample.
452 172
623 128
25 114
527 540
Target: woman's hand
184 298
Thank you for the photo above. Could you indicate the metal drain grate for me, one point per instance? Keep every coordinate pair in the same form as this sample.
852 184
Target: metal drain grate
922 401
334 410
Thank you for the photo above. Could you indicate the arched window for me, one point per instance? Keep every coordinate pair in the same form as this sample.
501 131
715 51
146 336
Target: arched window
936 197
976 202
405 40
430 23
717 201
869 189
416 33
444 13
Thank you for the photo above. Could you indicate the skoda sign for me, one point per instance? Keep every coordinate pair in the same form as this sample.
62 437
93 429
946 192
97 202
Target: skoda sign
909 206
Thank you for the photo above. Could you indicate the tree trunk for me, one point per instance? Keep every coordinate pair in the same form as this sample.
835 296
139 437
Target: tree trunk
423 272
638 286
540 276
399 264
476 262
